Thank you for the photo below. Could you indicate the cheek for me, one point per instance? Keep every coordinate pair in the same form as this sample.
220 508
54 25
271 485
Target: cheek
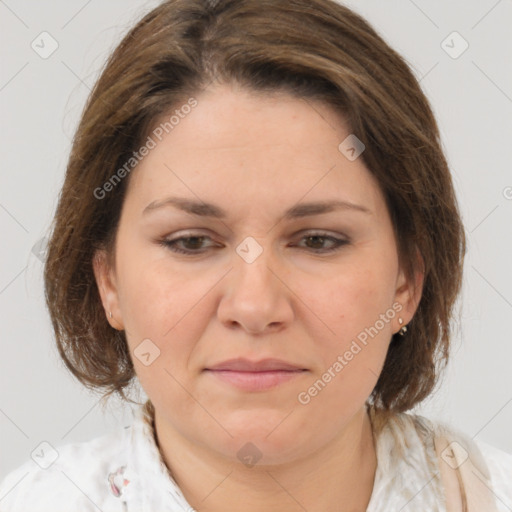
355 310
352 298
165 313
354 349
163 323
146 300
152 295
154 305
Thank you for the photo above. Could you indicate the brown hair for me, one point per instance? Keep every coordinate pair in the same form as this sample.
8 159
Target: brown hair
312 49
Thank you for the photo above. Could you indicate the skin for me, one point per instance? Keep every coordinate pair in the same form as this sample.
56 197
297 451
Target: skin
255 156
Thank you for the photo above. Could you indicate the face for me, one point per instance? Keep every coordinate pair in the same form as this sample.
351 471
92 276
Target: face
253 260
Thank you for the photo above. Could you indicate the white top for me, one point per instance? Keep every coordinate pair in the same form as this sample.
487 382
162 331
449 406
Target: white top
124 472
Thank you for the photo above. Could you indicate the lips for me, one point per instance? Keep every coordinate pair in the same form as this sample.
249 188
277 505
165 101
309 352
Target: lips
246 365
255 376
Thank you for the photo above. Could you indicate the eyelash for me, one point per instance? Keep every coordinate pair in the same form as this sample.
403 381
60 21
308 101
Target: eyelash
172 244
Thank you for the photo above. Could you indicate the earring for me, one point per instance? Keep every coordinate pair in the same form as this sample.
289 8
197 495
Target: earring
110 314
403 329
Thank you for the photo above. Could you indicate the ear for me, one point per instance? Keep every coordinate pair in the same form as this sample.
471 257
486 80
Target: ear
408 293
107 287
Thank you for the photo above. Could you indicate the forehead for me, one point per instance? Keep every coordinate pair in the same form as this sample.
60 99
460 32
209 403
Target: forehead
231 118
238 146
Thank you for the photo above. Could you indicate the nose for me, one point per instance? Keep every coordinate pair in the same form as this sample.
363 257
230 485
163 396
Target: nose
256 297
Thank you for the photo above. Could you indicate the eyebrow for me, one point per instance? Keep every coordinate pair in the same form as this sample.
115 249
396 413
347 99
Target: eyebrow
202 209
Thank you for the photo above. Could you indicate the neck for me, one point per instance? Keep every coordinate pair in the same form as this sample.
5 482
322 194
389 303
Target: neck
339 477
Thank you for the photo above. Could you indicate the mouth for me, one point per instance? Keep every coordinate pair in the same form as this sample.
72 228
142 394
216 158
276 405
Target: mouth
255 375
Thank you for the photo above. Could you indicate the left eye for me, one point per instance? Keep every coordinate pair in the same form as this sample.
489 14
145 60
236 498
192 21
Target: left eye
320 238
194 244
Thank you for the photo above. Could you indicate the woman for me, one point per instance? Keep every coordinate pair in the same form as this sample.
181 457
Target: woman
259 225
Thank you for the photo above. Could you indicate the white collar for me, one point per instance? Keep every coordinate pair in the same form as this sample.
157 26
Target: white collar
407 483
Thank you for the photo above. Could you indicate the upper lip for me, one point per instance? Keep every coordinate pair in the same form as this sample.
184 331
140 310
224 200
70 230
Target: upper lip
246 365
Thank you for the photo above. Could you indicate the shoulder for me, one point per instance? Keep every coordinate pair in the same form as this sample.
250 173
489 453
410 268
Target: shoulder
499 463
493 463
72 476
410 449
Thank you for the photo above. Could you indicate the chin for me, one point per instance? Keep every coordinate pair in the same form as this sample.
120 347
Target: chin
256 443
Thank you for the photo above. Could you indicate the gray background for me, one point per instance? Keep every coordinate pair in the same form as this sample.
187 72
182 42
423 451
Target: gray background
41 100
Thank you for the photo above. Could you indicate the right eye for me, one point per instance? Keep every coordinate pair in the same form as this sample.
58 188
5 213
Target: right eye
193 243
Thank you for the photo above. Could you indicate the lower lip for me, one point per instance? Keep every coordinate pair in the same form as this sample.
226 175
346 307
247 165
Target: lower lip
256 381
